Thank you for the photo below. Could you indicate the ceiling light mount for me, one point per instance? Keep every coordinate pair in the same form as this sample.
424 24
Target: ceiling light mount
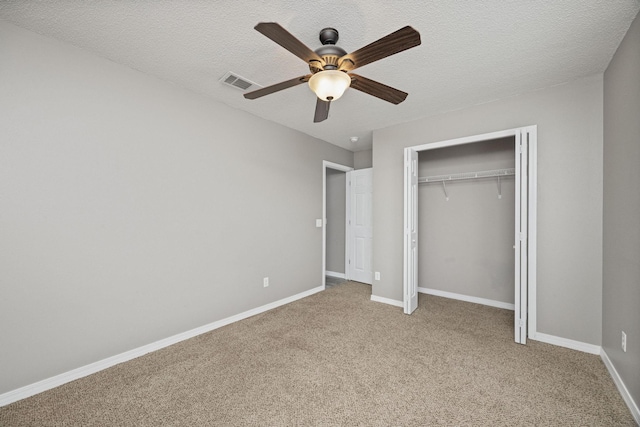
328 36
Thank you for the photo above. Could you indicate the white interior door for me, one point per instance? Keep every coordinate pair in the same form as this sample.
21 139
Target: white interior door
410 279
521 236
361 225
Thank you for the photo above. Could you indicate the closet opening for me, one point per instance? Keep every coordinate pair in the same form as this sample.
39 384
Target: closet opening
466 199
470 208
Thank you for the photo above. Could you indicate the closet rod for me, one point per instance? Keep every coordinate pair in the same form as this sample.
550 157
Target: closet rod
467 175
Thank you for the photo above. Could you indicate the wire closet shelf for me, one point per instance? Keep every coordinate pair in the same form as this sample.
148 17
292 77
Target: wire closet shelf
467 175
443 179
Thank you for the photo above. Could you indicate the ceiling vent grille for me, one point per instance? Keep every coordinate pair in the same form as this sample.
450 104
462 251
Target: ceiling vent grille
238 82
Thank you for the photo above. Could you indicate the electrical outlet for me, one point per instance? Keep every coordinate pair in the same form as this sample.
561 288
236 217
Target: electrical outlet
377 275
265 282
624 342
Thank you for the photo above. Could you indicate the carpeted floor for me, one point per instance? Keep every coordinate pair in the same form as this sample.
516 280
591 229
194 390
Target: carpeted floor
336 358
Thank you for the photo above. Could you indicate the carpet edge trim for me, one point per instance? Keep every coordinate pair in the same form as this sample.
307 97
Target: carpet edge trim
92 368
622 388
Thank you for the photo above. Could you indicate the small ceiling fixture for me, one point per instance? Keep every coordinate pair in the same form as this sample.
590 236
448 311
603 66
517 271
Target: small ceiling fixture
331 67
354 139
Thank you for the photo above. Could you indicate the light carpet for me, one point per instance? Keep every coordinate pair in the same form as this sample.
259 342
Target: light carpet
337 358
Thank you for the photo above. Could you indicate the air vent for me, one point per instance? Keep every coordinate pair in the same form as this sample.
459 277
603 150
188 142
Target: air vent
238 82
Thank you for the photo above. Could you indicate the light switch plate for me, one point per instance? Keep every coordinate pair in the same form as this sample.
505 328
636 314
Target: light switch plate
318 223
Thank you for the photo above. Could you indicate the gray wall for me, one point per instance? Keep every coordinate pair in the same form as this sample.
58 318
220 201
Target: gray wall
466 243
569 119
336 216
621 287
363 159
132 210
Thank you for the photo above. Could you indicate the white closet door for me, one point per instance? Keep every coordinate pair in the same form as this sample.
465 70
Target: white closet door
521 234
361 226
410 279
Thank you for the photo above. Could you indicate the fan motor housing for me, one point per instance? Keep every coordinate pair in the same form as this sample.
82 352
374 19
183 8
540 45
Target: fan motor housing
329 52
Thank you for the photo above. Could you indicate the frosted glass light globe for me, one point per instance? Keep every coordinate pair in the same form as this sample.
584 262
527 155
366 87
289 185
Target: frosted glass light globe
329 85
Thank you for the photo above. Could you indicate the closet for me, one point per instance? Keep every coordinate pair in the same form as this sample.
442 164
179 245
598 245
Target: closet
466 222
465 238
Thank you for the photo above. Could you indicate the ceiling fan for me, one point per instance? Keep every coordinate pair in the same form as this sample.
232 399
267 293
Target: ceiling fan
331 66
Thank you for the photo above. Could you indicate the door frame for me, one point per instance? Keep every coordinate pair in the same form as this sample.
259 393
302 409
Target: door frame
529 215
342 168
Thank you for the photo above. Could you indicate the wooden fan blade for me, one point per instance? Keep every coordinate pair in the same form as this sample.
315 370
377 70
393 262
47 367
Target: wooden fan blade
403 39
277 87
322 111
378 90
285 39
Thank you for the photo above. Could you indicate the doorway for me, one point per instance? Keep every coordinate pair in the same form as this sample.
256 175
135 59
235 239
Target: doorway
525 145
335 212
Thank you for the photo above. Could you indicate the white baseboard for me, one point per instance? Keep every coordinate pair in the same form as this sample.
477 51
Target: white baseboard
92 368
334 274
387 301
467 298
633 406
567 343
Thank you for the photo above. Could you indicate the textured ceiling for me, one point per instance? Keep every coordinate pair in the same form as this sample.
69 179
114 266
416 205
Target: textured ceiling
472 51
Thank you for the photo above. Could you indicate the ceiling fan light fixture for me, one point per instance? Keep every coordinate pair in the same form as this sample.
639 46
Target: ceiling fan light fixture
331 66
329 85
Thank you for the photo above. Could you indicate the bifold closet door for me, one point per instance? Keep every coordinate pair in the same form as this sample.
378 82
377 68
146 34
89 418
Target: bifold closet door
521 234
410 279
